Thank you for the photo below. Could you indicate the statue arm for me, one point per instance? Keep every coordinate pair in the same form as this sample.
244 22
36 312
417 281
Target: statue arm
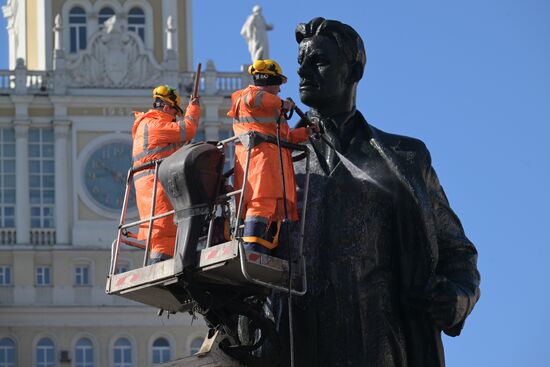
245 30
455 289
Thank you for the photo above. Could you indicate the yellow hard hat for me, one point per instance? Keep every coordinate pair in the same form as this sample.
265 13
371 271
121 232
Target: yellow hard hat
266 72
169 95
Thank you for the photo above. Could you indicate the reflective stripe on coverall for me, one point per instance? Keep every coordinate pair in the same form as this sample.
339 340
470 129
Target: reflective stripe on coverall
255 109
157 135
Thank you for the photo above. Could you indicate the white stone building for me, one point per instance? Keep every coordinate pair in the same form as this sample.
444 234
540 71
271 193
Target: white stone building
78 68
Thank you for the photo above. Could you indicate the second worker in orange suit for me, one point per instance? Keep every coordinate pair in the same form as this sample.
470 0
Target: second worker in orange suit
258 108
157 134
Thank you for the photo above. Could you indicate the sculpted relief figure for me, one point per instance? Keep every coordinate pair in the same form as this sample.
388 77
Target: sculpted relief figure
389 266
254 31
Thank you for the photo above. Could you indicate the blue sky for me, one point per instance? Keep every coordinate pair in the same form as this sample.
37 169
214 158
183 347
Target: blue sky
470 78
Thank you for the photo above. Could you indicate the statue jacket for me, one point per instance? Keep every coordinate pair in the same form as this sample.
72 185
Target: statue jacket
388 264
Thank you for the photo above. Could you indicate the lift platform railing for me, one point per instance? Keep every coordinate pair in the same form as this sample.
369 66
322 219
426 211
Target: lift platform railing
124 227
249 140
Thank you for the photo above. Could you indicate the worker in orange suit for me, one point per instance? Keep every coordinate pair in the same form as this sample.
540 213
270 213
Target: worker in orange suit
157 134
258 108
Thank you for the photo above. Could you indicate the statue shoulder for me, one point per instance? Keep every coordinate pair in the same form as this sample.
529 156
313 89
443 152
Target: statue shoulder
399 142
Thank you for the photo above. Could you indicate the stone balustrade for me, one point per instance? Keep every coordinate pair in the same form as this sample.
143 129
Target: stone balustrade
24 81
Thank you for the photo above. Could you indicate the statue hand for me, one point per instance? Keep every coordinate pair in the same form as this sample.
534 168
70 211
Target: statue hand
448 302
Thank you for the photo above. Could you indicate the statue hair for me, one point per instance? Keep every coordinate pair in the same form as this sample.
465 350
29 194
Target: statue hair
347 39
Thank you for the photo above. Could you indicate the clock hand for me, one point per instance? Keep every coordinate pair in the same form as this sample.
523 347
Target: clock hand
116 175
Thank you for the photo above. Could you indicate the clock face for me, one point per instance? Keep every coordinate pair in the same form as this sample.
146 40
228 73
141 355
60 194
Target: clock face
105 173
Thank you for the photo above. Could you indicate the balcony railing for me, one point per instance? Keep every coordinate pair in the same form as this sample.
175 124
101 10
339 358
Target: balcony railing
23 81
7 236
43 236
7 80
39 81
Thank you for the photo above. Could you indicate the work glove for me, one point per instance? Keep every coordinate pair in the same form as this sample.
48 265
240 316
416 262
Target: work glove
194 101
288 104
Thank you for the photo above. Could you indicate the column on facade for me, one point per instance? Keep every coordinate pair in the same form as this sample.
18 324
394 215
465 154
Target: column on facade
22 208
61 131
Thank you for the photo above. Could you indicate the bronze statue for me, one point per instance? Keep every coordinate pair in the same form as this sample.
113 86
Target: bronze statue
389 265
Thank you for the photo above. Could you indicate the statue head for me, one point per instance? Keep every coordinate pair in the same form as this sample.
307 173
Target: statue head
257 9
332 59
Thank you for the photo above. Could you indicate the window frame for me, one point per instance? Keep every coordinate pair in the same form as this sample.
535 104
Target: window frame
161 350
7 143
137 27
6 272
46 275
86 275
114 348
37 347
100 21
42 207
80 30
90 347
5 349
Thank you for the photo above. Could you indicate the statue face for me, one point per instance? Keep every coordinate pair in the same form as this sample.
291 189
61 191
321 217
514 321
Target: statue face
323 71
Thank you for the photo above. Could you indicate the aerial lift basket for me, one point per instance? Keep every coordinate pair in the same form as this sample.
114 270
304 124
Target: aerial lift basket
205 261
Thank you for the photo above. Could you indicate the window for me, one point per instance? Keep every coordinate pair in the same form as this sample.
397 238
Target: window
5 275
84 353
45 353
7 178
43 275
82 275
122 353
7 353
161 351
77 29
196 345
41 177
136 22
104 14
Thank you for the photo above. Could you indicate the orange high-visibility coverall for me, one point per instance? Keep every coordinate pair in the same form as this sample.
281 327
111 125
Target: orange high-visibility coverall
157 135
254 109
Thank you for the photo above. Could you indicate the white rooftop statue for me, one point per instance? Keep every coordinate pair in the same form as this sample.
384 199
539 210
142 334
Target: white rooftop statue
254 31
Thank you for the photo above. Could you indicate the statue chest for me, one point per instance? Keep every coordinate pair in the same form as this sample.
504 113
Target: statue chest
350 220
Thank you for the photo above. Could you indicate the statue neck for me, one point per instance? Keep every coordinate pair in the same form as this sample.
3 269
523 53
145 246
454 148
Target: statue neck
345 104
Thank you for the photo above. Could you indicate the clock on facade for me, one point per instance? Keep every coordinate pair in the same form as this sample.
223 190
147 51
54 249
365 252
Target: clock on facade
104 175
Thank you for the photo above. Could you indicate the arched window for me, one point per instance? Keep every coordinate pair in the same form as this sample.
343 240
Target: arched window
196 345
7 353
77 29
84 353
136 22
122 353
161 351
104 14
45 353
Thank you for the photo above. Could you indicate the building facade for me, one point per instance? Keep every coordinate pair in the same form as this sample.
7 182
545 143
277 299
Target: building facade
78 68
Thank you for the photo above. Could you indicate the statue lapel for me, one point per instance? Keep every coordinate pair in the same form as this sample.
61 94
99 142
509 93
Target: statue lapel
405 167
